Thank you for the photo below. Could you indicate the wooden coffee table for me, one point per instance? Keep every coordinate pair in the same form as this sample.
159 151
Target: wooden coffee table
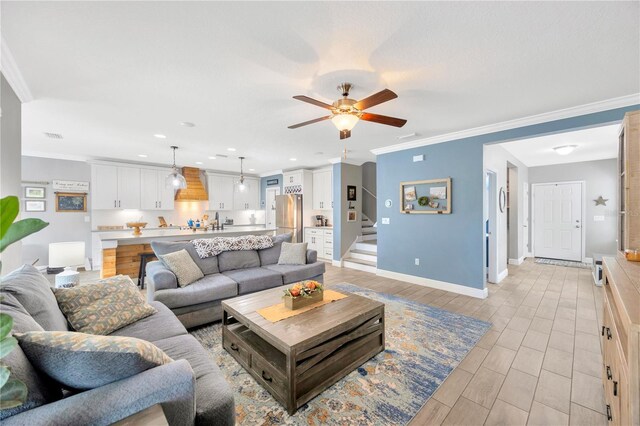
297 358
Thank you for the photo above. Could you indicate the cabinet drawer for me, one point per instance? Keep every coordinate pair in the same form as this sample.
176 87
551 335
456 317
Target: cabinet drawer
236 348
328 240
268 376
328 233
328 253
314 231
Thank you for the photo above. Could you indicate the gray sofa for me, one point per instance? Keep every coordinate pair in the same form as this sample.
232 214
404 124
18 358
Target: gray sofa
190 389
227 275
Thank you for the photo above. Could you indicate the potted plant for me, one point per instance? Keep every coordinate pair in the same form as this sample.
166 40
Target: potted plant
303 294
12 392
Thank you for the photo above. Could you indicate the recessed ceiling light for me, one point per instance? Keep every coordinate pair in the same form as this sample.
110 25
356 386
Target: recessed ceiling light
160 136
293 159
142 155
252 170
187 124
212 158
53 135
565 149
198 162
231 149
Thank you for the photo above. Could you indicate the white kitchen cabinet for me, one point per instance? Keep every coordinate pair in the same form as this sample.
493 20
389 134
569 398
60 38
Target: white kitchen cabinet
154 193
323 189
221 192
249 199
320 240
115 187
298 182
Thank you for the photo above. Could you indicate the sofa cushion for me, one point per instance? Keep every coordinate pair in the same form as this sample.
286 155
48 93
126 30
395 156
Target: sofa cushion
241 259
183 267
207 266
293 254
85 361
34 293
41 389
102 307
295 273
254 279
271 255
213 395
161 325
210 288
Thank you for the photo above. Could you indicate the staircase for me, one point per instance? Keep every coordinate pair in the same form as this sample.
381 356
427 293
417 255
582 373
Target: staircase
363 255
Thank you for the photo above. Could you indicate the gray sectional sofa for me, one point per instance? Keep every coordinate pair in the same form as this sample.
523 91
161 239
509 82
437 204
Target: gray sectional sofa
227 275
190 389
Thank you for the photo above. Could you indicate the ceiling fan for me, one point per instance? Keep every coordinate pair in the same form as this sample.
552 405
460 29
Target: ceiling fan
345 112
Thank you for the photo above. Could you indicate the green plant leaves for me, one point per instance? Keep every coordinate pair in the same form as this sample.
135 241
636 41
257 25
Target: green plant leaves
12 394
6 322
4 374
9 208
20 229
7 345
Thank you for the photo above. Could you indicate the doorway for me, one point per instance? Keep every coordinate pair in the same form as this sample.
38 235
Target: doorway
558 225
490 227
270 206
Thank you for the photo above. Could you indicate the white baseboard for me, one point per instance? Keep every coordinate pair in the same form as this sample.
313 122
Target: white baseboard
516 261
588 260
337 263
440 285
502 275
529 254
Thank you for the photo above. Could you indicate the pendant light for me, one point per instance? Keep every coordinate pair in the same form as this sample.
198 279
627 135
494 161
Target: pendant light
241 185
175 180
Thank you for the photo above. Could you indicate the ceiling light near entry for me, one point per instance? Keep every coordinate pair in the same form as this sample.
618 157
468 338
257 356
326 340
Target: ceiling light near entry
565 149
160 136
231 149
142 155
293 159
212 158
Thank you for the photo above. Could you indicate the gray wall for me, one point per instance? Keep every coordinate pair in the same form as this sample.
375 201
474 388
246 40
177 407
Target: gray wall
600 179
10 151
62 226
369 207
345 233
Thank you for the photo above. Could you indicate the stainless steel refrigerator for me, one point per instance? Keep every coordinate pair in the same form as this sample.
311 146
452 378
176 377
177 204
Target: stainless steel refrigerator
289 216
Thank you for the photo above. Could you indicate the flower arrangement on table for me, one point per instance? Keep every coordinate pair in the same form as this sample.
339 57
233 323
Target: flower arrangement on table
303 294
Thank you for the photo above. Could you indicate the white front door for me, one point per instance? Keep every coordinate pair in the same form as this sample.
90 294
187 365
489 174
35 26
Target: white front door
558 221
270 206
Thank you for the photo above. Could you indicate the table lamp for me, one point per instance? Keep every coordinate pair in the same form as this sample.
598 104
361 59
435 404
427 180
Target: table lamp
62 255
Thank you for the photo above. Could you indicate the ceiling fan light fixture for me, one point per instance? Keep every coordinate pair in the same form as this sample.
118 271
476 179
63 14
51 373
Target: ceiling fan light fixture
345 121
565 149
175 179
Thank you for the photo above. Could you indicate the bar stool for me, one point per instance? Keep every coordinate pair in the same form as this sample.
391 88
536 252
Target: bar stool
144 258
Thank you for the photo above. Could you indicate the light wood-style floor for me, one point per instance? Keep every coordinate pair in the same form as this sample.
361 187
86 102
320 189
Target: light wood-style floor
539 364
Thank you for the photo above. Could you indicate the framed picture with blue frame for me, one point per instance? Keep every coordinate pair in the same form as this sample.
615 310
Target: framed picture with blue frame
426 196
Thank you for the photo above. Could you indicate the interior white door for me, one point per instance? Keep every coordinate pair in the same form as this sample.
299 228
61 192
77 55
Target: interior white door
525 215
558 221
270 206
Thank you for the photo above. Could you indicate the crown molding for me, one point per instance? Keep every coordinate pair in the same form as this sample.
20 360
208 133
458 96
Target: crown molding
347 161
12 73
620 102
271 173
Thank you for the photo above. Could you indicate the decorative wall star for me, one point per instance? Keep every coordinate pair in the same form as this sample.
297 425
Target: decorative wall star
601 201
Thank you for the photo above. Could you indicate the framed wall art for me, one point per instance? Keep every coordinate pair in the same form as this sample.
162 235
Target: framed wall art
71 202
34 205
351 193
352 216
426 196
34 192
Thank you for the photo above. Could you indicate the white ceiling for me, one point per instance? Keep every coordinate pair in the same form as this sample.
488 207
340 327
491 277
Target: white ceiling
597 143
109 75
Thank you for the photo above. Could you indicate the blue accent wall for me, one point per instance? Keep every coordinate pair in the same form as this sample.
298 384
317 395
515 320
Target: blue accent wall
450 247
263 187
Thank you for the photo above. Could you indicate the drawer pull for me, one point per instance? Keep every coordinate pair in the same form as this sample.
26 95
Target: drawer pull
609 376
615 388
609 418
603 327
266 376
234 347
609 337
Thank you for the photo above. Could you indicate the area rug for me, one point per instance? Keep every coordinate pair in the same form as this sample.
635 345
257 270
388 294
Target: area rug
423 345
557 262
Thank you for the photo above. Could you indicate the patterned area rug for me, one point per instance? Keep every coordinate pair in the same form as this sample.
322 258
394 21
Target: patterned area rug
569 263
423 345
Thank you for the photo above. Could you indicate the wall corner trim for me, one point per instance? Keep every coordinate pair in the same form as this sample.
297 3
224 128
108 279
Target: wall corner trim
347 161
502 275
12 73
516 261
440 285
271 173
594 107
337 263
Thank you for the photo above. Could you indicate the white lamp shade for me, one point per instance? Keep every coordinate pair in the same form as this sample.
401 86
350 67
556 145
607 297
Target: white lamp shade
66 254
345 121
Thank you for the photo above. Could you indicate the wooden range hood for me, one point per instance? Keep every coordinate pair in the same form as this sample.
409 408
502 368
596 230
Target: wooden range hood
195 190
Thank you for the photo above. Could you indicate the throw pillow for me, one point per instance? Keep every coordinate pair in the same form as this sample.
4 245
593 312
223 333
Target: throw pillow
83 361
293 254
183 266
271 255
103 307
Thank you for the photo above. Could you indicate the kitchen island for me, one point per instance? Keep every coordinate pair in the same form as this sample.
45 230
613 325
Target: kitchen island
121 249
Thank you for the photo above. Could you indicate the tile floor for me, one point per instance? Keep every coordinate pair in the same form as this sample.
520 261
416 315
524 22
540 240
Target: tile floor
539 364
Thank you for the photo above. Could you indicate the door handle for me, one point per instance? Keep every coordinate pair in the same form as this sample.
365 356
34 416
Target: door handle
609 375
115 203
118 203
578 226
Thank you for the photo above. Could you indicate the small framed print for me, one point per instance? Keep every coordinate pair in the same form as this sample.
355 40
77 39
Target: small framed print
351 193
71 202
352 216
34 205
34 192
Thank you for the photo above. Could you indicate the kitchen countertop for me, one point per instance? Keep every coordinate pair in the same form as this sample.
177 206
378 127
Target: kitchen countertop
111 239
319 227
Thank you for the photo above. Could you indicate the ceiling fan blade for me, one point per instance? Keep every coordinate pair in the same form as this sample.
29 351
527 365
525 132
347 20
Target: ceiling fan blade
312 101
345 134
295 126
383 119
375 99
